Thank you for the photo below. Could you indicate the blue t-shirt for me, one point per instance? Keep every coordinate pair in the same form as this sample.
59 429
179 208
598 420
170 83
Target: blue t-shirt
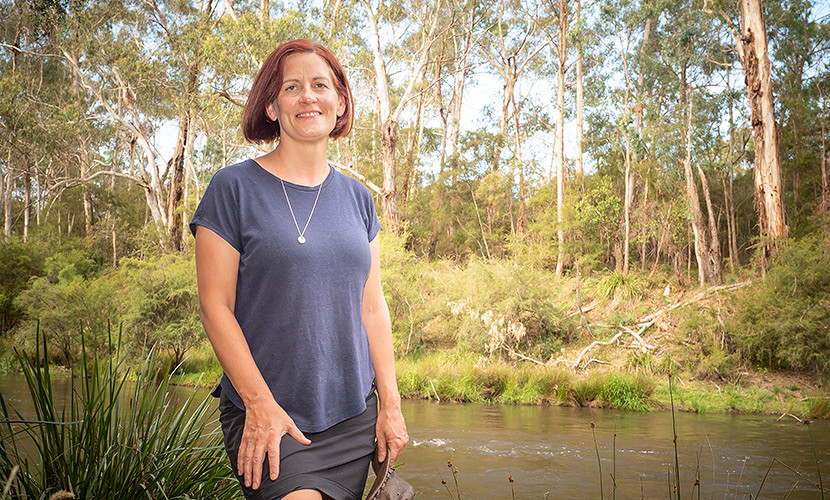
299 305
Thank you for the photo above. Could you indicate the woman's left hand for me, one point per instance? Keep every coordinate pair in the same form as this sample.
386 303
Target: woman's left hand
391 433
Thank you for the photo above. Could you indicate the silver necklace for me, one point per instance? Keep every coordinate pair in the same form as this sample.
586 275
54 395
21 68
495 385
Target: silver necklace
301 238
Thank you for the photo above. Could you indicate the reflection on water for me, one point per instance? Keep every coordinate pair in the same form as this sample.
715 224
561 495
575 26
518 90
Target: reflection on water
550 451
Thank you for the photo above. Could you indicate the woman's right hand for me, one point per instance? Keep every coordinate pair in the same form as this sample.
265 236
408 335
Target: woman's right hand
265 425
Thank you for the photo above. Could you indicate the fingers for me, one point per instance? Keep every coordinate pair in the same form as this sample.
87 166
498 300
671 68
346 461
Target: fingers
391 435
256 466
381 449
260 436
395 447
295 432
274 459
251 456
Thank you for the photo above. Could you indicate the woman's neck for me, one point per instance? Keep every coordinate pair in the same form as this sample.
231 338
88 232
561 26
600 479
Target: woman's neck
306 165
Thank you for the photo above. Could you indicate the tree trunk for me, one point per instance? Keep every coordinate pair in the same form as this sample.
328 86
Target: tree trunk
520 221
715 271
27 201
628 175
825 179
698 225
459 82
580 92
176 188
732 229
768 179
561 57
387 117
413 149
505 109
7 201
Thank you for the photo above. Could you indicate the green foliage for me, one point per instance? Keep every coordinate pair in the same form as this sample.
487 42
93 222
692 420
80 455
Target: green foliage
585 391
114 440
155 299
628 392
488 307
819 406
783 322
18 263
65 304
161 303
705 352
453 376
621 287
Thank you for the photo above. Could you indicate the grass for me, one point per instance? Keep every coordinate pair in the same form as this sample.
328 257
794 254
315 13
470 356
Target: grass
117 438
457 377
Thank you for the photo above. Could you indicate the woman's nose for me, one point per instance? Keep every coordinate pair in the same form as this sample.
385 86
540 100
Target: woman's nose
308 95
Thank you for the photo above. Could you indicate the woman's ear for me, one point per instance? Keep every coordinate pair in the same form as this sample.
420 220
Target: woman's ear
271 112
341 106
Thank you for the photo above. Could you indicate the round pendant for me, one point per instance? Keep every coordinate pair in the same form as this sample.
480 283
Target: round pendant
301 239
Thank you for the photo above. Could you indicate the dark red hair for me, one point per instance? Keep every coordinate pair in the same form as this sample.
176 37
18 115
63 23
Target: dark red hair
256 126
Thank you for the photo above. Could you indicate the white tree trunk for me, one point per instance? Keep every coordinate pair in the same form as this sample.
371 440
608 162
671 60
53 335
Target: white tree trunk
387 117
768 180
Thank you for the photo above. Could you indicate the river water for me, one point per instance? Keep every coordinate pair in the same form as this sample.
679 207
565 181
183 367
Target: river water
550 452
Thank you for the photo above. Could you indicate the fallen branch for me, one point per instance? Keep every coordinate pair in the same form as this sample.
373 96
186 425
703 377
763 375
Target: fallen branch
584 309
591 346
434 391
516 354
362 178
637 335
695 298
789 415
595 360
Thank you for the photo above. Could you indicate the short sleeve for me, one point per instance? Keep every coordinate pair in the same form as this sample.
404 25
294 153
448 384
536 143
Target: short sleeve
371 217
219 209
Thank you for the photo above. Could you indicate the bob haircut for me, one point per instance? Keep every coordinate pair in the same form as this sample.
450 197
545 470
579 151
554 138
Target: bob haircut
256 126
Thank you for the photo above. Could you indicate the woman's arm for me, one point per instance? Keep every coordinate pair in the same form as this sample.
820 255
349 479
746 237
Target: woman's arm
217 264
391 428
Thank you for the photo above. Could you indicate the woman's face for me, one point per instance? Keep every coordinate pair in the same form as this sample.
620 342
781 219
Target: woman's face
308 105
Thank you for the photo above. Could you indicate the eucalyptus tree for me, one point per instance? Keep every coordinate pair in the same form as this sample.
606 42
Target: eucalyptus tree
41 114
512 46
754 53
387 115
623 24
554 18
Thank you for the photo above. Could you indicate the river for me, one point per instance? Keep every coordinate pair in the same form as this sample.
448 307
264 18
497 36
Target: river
550 452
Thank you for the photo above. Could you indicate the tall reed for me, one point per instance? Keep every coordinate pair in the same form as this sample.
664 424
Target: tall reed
114 438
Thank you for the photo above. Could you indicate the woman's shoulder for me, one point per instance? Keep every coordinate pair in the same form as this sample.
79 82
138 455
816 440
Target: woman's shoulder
236 176
351 184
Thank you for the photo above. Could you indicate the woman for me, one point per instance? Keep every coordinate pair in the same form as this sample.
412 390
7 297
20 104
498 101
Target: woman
287 259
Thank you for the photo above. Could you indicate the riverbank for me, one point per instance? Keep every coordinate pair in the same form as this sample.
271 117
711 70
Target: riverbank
462 378
452 376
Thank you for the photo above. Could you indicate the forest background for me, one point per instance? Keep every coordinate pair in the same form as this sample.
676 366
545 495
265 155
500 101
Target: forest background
644 189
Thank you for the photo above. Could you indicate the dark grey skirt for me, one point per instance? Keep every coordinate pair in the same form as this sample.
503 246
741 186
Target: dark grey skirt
335 463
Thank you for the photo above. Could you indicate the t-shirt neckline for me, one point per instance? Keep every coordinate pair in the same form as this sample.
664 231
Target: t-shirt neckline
292 185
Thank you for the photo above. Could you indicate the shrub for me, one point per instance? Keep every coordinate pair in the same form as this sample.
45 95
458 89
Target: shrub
162 303
485 307
65 304
784 321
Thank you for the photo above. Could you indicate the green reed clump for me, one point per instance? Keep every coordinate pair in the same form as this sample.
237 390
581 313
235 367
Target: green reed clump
628 392
584 392
116 438
452 376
